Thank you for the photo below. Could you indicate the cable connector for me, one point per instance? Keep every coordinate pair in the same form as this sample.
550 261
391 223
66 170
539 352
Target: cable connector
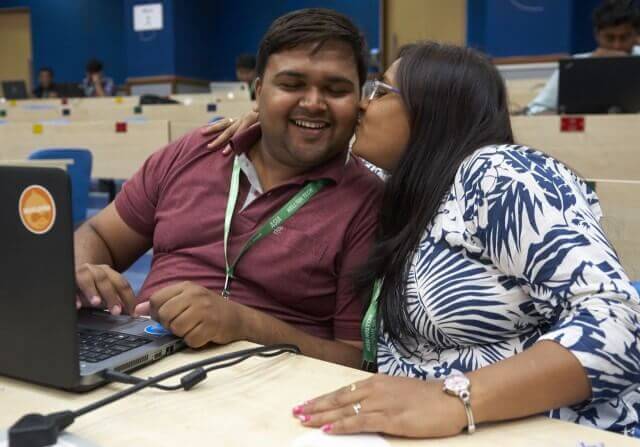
193 378
37 430
111 375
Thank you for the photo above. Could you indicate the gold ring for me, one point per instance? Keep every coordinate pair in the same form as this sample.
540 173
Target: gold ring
231 120
352 387
357 407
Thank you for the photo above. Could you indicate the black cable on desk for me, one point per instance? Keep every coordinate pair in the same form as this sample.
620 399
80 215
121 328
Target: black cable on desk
190 379
37 430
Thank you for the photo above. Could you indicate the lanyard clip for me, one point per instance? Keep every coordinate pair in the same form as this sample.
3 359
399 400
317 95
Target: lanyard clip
369 366
225 291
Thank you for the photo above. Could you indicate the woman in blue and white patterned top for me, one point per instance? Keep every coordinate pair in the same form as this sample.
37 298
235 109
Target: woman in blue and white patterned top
495 267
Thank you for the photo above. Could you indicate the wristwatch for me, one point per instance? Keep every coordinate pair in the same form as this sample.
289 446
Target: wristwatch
459 385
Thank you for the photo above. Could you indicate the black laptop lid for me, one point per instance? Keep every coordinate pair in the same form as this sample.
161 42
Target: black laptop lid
37 291
599 85
14 89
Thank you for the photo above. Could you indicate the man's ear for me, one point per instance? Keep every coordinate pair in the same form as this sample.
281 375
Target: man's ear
258 89
596 37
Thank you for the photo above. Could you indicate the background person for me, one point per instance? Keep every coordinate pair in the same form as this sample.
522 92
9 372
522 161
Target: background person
96 83
46 87
615 32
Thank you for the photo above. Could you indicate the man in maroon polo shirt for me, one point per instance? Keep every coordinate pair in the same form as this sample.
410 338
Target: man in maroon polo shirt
291 183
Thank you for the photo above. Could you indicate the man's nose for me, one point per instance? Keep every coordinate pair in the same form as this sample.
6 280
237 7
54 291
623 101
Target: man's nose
619 44
313 99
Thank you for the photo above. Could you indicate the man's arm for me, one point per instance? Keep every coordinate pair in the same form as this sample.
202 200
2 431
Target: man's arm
264 329
546 102
201 316
104 246
97 84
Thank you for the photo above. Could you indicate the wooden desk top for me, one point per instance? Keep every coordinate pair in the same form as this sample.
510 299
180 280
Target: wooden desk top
607 147
250 404
117 153
620 202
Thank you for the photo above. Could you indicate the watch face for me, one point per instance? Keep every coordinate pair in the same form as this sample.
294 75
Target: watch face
457 383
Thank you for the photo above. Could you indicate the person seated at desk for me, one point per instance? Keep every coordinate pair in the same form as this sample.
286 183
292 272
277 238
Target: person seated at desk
96 83
616 34
46 87
494 279
246 71
291 180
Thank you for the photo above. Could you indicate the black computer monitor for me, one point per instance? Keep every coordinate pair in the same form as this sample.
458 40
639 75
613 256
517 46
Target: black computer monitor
599 85
69 90
14 89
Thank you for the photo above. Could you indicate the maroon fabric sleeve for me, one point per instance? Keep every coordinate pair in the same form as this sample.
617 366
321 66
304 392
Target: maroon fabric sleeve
136 203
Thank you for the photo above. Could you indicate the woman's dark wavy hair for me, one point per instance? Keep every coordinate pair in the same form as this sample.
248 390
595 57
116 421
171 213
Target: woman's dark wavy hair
457 102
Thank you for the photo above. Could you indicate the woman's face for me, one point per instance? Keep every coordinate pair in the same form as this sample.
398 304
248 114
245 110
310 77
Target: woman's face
383 130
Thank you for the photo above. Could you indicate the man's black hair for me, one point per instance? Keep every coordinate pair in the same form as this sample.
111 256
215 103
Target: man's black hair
246 61
94 66
312 26
48 69
614 13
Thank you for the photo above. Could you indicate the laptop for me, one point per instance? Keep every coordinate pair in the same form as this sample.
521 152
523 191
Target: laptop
69 90
230 90
44 338
14 89
599 85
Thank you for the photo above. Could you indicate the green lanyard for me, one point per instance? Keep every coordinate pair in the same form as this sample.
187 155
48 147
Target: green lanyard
369 329
288 210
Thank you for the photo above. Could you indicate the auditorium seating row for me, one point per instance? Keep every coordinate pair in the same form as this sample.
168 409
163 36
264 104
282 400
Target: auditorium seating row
603 149
88 110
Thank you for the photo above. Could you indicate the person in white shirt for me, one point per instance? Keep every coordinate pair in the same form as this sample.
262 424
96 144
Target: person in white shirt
616 34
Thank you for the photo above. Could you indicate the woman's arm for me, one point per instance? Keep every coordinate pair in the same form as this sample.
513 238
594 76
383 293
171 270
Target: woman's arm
543 377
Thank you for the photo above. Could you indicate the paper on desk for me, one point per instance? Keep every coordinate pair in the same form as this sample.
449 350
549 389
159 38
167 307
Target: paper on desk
317 438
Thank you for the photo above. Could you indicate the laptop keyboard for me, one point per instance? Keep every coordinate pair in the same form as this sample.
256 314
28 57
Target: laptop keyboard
96 346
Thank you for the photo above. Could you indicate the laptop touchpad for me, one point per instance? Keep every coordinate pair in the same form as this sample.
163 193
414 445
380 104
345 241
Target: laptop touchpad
102 320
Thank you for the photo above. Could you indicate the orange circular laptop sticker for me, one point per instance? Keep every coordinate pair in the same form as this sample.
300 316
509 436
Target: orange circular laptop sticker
37 209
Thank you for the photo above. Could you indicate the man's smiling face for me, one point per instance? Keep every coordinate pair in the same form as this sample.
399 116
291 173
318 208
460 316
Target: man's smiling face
308 103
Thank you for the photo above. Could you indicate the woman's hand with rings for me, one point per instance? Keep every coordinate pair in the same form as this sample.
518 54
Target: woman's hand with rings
227 128
394 405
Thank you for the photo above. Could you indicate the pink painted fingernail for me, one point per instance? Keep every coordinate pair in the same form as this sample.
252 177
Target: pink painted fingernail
327 428
95 300
297 410
142 309
116 310
304 417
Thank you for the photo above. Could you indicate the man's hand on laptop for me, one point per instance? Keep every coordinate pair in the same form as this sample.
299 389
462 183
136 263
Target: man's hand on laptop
101 286
195 313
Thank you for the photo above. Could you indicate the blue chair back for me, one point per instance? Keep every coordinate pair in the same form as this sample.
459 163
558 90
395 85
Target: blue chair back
79 173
